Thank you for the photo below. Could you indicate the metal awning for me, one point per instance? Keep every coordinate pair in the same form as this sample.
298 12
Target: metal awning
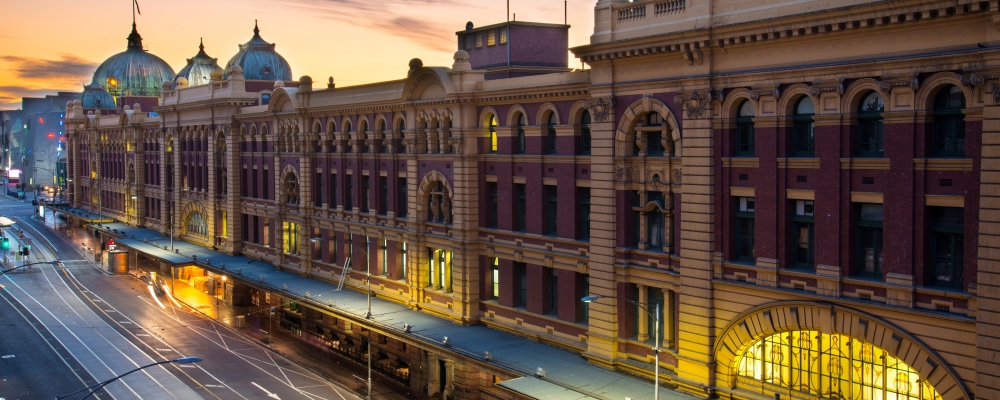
5 222
541 389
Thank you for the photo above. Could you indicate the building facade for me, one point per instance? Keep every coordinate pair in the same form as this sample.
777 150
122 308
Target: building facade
804 188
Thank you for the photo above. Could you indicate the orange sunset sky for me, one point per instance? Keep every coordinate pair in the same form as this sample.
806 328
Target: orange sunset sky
55 45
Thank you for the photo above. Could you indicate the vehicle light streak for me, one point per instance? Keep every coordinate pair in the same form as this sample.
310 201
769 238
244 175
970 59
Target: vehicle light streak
171 296
152 293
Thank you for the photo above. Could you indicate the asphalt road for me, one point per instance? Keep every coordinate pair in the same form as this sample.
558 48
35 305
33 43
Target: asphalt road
136 325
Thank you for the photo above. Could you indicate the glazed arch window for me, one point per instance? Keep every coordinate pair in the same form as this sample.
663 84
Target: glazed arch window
291 189
520 134
803 129
649 136
491 123
745 130
871 142
811 364
949 123
550 138
197 225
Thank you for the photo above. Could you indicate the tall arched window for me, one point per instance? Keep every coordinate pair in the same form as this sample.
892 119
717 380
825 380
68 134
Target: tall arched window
381 130
585 138
654 137
196 224
949 123
870 130
551 134
362 136
803 136
491 123
521 145
401 128
745 130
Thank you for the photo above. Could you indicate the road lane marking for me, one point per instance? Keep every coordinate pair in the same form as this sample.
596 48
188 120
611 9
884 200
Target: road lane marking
269 394
6 356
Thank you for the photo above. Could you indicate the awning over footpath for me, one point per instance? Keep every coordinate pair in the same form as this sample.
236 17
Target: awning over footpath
567 376
86 216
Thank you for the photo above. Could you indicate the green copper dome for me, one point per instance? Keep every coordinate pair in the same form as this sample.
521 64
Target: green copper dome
198 70
133 72
94 96
259 60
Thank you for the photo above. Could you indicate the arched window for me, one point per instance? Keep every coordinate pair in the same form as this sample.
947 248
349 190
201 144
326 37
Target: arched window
362 136
585 138
291 189
491 123
521 145
654 136
949 123
814 364
401 128
550 140
196 224
744 130
803 137
870 130
381 130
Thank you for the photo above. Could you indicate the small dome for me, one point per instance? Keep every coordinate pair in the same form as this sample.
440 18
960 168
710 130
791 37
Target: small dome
259 60
94 96
200 69
133 72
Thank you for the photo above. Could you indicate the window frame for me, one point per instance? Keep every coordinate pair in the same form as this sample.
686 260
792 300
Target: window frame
871 130
954 234
744 225
949 123
804 129
551 141
874 229
803 217
744 140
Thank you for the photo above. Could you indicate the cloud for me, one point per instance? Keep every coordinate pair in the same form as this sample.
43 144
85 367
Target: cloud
67 68
381 16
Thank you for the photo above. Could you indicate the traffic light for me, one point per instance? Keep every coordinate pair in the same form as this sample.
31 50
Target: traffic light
27 250
5 243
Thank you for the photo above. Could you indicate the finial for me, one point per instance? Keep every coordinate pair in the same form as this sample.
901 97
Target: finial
256 31
201 44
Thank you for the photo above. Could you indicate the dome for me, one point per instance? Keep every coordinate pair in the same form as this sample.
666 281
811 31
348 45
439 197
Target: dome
199 69
94 96
259 60
133 72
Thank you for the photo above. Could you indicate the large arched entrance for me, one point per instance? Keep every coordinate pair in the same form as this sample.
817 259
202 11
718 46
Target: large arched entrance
815 350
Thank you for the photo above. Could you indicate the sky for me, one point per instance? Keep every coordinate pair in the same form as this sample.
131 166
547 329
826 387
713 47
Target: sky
55 45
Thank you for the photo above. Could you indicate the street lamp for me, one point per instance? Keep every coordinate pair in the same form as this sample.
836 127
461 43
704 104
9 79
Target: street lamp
656 344
368 295
98 386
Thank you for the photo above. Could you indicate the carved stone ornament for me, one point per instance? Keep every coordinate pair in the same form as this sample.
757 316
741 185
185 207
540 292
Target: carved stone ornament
995 88
886 85
626 174
817 89
601 109
678 176
695 104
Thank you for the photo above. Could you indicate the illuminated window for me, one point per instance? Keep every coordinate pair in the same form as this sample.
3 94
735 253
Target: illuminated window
492 124
503 36
491 38
479 40
495 270
815 364
439 269
290 233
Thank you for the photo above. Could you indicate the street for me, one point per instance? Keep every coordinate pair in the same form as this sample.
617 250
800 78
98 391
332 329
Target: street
99 326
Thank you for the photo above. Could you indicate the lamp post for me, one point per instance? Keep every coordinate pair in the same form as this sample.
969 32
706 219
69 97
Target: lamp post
656 344
368 296
98 386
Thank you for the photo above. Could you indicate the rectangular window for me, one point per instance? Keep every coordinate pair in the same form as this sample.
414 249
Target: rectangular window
553 291
479 40
744 137
492 207
869 238
654 222
802 232
491 38
521 209
495 281
349 199
655 296
636 218
583 207
947 247
870 139
383 195
318 192
290 232
503 36
584 292
439 269
402 258
384 251
551 210
333 190
468 42
401 201
365 191
744 228
522 284
803 137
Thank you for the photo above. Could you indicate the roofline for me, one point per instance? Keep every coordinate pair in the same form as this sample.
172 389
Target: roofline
494 26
